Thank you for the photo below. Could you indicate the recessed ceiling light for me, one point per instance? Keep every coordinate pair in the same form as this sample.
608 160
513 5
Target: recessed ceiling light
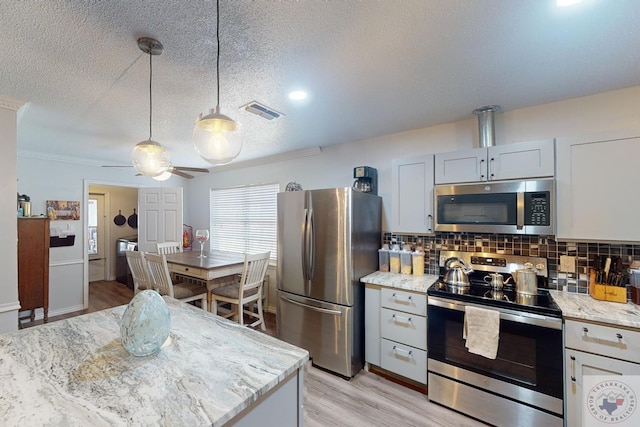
565 3
297 95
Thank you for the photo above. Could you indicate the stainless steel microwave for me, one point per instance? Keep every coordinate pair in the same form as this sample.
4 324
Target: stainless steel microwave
509 207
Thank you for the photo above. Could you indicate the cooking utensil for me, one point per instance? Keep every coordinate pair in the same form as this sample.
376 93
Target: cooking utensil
133 220
457 275
495 280
607 267
119 219
526 281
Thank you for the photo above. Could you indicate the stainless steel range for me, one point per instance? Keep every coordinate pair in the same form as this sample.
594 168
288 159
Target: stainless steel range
523 385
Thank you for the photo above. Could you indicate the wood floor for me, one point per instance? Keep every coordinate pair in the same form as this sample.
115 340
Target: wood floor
330 401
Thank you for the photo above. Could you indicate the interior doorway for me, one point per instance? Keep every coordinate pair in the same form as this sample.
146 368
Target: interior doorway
111 201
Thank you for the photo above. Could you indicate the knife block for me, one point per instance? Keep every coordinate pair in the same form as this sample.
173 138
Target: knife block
603 292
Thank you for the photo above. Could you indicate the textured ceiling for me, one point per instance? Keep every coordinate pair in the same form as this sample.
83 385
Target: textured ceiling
372 67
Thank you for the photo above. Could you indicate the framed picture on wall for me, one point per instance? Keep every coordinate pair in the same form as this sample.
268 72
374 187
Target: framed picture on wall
63 210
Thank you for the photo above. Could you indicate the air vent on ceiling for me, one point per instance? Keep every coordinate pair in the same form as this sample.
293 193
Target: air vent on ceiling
262 110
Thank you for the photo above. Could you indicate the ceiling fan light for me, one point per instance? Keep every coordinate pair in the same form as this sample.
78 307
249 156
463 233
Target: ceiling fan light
163 176
150 158
217 138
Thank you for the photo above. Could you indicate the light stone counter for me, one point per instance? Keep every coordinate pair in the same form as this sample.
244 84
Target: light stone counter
400 281
75 372
584 307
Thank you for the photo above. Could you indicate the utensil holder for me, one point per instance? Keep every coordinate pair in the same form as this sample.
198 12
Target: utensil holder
603 292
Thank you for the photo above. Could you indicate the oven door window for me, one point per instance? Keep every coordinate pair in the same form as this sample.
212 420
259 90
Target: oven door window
491 209
528 356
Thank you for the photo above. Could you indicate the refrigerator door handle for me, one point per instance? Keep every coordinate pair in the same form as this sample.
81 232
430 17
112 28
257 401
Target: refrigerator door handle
303 247
311 254
310 307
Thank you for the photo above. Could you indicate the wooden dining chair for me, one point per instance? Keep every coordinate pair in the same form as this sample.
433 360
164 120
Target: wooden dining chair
247 291
161 280
168 248
138 267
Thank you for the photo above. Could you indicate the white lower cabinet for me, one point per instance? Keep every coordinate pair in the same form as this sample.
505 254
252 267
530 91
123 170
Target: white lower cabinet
396 331
590 350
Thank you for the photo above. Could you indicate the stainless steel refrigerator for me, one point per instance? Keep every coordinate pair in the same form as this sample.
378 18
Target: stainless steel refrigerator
327 240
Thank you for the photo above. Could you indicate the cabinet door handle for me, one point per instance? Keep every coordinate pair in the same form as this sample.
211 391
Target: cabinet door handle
402 350
491 167
430 222
401 319
481 169
573 368
585 330
619 336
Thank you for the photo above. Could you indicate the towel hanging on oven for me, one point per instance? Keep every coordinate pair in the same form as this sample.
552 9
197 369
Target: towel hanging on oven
481 331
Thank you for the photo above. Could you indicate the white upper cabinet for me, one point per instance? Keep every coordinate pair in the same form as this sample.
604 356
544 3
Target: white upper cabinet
597 188
412 194
533 159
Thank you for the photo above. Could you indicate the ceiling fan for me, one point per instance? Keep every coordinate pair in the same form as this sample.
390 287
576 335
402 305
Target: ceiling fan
176 170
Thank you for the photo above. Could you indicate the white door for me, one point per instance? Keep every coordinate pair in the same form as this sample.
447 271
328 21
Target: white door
97 237
160 217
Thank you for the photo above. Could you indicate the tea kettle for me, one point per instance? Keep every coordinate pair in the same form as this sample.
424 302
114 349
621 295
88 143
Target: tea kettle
526 280
456 275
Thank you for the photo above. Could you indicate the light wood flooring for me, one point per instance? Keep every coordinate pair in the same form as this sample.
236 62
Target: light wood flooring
330 401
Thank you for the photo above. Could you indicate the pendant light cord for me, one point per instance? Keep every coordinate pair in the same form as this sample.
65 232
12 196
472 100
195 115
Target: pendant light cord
218 54
150 94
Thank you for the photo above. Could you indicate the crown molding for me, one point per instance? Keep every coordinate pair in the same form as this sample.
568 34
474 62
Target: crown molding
290 155
56 158
10 103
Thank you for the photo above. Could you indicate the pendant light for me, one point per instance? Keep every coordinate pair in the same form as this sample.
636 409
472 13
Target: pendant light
148 157
216 137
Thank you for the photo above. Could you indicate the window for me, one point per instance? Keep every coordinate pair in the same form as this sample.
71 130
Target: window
245 219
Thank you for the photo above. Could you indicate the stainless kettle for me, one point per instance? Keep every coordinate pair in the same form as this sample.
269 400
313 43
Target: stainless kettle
526 280
457 272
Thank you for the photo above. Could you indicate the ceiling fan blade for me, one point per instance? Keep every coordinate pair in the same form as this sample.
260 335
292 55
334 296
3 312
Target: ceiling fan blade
111 166
201 170
182 174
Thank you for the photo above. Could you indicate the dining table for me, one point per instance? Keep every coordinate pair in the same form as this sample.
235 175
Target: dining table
216 268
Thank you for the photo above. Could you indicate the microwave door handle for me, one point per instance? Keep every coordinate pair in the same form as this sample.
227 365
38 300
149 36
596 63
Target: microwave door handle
520 210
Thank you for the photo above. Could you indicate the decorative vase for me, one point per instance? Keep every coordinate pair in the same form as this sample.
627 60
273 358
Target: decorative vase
145 324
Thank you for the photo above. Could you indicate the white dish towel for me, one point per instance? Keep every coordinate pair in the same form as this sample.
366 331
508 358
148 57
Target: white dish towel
481 331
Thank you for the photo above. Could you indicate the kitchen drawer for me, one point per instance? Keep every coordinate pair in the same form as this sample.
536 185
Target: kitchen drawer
409 302
404 360
404 328
611 341
200 273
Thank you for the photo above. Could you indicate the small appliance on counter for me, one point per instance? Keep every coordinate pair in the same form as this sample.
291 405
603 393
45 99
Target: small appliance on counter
366 179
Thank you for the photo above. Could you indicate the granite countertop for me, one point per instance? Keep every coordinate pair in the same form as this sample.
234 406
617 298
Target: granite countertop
75 372
401 281
584 307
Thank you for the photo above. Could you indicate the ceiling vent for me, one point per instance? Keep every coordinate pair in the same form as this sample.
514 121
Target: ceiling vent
261 110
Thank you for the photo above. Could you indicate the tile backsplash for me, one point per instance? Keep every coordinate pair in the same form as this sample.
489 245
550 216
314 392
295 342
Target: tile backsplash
511 244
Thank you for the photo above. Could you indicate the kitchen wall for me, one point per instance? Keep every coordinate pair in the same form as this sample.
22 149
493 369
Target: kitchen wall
333 166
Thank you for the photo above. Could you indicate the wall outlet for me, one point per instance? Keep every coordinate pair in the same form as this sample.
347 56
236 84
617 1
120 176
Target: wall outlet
567 264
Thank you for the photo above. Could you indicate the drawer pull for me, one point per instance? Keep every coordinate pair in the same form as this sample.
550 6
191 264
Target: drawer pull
409 299
402 350
585 330
619 336
401 318
573 368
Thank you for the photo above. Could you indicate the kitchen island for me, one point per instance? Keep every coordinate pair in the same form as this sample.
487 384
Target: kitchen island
211 371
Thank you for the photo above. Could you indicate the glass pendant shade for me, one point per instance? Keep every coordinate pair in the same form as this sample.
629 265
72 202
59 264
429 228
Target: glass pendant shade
150 158
164 175
217 138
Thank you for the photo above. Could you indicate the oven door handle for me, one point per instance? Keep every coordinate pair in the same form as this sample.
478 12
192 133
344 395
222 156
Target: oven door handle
507 315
